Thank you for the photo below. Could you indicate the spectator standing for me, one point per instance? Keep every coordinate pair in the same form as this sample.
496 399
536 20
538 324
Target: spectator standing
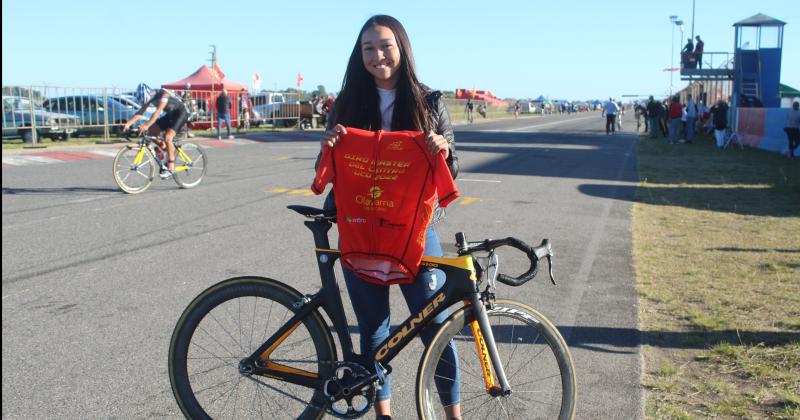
189 102
223 113
244 116
654 110
516 110
640 112
663 117
698 51
719 116
610 110
674 116
691 118
468 109
686 53
792 129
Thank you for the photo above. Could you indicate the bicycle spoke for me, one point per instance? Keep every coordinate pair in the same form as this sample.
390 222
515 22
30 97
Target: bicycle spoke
527 353
204 368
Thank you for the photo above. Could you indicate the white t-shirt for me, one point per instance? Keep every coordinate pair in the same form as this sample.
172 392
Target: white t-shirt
387 97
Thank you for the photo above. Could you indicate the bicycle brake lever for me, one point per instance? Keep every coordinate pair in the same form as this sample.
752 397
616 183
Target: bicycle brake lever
550 269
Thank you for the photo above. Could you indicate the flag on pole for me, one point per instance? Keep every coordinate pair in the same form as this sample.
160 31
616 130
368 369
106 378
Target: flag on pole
256 81
217 73
299 79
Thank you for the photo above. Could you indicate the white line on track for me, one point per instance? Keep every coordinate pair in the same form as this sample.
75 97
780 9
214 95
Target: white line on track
529 127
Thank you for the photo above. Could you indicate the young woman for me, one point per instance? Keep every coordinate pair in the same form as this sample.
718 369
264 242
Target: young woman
381 92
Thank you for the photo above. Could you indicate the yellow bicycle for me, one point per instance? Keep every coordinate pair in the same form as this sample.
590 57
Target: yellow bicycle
135 165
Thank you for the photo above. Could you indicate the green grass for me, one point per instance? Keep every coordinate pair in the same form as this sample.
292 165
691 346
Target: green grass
717 260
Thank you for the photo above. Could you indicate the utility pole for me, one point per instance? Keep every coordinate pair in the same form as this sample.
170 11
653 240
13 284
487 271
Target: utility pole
693 19
213 67
672 20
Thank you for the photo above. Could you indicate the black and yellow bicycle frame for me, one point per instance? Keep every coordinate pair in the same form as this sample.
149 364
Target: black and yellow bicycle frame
461 285
178 150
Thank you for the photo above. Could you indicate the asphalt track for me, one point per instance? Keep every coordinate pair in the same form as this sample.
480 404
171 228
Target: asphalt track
93 280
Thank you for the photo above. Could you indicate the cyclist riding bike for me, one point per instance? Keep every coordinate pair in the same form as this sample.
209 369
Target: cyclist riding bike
177 114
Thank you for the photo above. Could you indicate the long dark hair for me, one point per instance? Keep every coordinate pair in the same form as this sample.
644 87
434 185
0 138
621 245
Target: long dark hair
358 101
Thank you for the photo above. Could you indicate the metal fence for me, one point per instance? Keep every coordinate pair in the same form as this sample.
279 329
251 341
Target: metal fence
458 108
58 112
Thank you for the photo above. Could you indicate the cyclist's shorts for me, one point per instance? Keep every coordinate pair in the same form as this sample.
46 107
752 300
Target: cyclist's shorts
174 120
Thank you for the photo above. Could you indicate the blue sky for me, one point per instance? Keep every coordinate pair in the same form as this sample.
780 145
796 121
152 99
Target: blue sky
575 49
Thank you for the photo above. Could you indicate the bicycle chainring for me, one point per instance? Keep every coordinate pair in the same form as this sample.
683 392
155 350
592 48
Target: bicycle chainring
342 401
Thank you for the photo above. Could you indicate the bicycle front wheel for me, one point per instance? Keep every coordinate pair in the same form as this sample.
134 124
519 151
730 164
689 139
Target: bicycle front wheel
227 323
190 165
134 173
535 358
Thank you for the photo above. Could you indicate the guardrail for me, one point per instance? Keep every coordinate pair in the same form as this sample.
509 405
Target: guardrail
57 112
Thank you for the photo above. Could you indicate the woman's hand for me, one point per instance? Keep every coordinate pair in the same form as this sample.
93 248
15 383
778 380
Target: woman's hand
437 143
330 137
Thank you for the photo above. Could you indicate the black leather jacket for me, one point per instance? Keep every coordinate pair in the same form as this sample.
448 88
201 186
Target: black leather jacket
439 120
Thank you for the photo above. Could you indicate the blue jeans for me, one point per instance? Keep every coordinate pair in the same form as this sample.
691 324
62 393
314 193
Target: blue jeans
691 123
227 118
653 126
674 130
371 304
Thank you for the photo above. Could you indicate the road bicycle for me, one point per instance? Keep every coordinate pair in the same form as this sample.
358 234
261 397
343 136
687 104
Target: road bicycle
135 165
257 347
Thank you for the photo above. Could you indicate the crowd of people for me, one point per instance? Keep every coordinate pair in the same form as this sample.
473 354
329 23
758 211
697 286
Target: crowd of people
679 122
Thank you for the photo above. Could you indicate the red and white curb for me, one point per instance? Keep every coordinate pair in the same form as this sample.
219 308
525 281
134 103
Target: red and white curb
59 156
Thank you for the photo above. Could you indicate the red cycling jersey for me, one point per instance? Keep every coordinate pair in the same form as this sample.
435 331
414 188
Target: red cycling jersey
385 184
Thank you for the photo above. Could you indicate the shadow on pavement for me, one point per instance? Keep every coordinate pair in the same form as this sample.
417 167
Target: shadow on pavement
32 191
626 340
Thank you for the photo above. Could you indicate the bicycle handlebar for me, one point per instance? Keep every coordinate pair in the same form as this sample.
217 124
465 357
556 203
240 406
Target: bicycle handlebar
534 254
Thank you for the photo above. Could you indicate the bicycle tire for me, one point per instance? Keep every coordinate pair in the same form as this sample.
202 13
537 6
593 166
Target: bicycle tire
543 387
195 169
130 177
203 381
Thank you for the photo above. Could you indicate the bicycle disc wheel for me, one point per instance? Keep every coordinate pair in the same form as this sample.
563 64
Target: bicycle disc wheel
225 324
190 166
130 176
535 358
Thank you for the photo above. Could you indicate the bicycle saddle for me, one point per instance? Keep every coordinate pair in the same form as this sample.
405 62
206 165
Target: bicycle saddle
311 211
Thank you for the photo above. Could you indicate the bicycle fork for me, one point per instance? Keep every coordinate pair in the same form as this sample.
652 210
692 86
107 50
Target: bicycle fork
491 365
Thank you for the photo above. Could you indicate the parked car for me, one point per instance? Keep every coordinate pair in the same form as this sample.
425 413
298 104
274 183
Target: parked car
17 116
93 112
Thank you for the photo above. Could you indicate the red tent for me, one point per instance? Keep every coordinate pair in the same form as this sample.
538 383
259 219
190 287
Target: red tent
202 80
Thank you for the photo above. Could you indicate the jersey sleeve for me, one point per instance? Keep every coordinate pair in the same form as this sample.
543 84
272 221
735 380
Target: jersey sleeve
445 186
325 171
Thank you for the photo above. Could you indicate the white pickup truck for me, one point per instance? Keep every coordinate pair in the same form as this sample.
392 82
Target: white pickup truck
265 107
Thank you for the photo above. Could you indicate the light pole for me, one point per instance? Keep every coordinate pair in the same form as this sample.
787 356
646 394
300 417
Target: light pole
676 22
672 19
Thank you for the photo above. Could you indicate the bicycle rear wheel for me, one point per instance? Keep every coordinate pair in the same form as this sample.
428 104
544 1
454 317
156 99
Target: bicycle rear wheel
190 165
130 176
535 358
225 324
